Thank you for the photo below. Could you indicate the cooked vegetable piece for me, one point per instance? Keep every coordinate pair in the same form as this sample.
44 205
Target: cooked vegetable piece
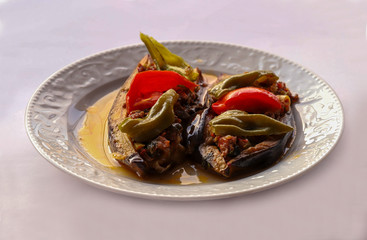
154 142
240 123
166 60
285 100
154 52
249 99
160 117
145 102
254 78
147 86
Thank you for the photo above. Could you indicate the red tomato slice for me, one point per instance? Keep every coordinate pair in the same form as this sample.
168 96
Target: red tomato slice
249 99
147 102
146 86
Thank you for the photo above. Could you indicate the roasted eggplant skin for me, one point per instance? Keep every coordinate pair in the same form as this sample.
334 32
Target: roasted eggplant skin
258 157
120 143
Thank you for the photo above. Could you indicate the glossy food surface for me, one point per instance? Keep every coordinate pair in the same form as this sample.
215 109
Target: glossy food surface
319 109
94 139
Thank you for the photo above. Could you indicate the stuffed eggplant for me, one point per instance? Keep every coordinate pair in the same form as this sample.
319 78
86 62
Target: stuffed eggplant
165 113
248 125
148 120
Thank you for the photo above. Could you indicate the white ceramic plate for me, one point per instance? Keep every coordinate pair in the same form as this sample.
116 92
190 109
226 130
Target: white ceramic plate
55 111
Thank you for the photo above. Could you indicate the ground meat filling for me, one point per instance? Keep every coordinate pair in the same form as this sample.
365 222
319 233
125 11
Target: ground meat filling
167 148
186 105
142 68
164 150
278 88
230 146
137 114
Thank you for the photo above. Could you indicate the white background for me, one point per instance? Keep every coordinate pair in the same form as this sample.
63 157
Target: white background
38 201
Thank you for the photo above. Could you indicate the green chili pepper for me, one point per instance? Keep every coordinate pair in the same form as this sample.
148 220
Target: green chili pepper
166 60
160 117
240 123
254 78
154 52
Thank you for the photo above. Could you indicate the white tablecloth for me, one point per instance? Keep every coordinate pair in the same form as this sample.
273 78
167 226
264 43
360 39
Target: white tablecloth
38 201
